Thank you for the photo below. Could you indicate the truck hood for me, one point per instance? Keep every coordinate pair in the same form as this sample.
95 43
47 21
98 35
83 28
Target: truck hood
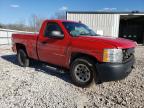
117 42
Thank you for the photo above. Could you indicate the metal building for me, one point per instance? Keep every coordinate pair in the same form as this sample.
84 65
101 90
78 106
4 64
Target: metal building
128 25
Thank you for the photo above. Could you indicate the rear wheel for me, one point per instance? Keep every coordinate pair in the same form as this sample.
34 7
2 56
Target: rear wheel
22 57
82 72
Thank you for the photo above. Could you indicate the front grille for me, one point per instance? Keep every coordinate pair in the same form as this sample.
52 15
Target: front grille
127 54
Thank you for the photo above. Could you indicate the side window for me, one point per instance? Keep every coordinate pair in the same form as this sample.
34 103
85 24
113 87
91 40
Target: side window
51 26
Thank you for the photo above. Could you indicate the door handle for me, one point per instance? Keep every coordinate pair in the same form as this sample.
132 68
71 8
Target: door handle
44 42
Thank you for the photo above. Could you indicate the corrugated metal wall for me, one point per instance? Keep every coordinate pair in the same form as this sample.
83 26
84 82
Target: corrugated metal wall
108 23
5 35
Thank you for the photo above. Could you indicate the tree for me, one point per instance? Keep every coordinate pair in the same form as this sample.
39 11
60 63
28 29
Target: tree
35 22
16 26
1 26
61 14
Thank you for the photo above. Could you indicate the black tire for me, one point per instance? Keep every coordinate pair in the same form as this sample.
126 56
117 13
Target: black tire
23 58
84 62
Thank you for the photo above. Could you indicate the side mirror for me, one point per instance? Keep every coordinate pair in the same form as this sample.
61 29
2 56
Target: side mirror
57 35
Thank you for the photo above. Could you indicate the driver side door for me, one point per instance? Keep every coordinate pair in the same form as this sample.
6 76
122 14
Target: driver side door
53 50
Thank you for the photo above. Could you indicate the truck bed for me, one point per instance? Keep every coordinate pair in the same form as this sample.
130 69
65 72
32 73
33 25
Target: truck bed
29 40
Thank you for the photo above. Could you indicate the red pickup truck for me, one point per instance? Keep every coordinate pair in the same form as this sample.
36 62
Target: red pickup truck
74 46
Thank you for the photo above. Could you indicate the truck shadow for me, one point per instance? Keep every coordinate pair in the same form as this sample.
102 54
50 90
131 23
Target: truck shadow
41 67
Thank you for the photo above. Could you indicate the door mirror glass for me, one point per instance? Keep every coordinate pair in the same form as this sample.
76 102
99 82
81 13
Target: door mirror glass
57 34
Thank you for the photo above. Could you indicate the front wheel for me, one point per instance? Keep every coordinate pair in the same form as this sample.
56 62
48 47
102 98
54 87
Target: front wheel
82 71
22 57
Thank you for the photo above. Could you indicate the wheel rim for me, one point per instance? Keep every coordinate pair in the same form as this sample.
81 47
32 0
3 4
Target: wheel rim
23 57
82 73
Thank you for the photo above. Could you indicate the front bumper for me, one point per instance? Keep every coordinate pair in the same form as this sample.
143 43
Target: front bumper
114 71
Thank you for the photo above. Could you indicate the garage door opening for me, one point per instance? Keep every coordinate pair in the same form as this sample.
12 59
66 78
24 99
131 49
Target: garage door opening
132 27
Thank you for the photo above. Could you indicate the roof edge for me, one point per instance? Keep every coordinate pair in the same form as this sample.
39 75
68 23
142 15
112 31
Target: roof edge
106 12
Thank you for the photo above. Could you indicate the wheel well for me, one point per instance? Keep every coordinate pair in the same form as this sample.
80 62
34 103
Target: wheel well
20 46
89 57
80 55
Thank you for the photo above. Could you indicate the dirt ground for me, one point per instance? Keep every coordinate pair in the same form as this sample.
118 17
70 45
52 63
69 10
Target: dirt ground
41 86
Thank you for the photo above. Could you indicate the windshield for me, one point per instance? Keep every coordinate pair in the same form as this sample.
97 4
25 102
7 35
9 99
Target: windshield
78 29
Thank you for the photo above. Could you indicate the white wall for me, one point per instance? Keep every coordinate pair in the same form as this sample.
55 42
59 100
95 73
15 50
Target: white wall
5 35
108 23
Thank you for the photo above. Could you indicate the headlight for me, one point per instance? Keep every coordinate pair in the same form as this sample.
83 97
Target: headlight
113 55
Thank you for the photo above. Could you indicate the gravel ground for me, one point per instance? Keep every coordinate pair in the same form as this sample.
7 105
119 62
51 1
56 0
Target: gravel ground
40 86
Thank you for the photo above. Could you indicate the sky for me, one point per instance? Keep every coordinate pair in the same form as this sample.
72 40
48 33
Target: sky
14 11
